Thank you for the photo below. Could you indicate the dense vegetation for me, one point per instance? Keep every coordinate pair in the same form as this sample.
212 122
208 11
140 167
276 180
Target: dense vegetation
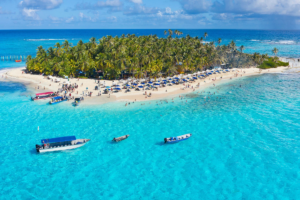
138 56
272 62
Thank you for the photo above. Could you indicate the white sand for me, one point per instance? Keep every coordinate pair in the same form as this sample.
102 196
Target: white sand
38 81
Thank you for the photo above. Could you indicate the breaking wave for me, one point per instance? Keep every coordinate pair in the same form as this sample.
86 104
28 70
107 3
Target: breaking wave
280 42
47 39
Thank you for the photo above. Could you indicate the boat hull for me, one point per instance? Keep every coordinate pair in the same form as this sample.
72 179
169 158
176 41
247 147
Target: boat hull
52 103
178 138
34 99
61 148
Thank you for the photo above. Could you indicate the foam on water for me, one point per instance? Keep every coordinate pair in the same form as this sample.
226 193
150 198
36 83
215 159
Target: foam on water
245 145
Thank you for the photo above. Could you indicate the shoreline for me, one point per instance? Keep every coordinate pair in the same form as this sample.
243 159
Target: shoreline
33 82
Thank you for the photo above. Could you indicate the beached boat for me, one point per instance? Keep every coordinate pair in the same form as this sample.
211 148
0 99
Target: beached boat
178 138
56 100
60 144
78 100
118 139
44 95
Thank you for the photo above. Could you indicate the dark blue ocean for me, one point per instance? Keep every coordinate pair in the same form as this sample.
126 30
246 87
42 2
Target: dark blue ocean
245 142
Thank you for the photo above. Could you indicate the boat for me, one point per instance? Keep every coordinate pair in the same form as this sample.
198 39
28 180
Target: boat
178 138
78 100
18 60
118 139
58 99
60 144
43 96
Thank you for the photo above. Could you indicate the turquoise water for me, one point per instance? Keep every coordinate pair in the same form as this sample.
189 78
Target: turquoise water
245 145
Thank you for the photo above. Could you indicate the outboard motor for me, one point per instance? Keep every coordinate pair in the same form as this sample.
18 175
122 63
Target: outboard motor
37 147
166 140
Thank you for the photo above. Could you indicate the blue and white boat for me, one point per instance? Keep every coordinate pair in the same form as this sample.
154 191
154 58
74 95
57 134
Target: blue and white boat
178 138
60 144
56 100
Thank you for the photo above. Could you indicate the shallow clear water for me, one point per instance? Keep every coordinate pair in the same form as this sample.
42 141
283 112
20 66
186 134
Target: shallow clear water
245 144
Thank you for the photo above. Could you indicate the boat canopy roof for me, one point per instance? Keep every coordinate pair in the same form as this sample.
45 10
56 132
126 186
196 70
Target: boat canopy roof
45 93
55 98
59 139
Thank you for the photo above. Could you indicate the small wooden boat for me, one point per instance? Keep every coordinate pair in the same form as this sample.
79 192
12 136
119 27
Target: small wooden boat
18 60
60 144
118 139
178 138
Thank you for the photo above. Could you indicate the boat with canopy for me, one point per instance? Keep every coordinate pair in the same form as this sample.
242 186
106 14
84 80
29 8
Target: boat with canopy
178 138
77 101
58 99
44 95
60 144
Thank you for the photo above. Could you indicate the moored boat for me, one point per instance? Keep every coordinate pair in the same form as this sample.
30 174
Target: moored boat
60 144
44 95
18 60
118 139
58 99
178 138
78 100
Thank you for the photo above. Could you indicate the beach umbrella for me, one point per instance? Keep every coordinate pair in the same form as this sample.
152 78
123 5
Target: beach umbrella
107 86
173 82
156 84
176 78
169 79
134 84
128 85
140 86
194 77
117 88
150 82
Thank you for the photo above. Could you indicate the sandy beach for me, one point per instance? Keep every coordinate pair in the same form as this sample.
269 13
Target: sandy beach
39 84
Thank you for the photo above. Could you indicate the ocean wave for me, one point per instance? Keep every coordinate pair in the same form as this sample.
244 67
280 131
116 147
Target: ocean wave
284 42
44 39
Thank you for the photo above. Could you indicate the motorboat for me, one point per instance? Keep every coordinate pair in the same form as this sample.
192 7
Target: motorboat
178 138
60 144
58 99
44 95
78 100
18 60
118 139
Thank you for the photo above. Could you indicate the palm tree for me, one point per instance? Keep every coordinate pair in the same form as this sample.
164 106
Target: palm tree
219 41
143 55
170 32
242 48
205 35
275 51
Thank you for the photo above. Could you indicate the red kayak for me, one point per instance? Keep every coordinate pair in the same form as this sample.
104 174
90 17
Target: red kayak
18 60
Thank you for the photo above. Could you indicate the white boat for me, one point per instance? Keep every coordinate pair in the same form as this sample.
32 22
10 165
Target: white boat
60 144
178 138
